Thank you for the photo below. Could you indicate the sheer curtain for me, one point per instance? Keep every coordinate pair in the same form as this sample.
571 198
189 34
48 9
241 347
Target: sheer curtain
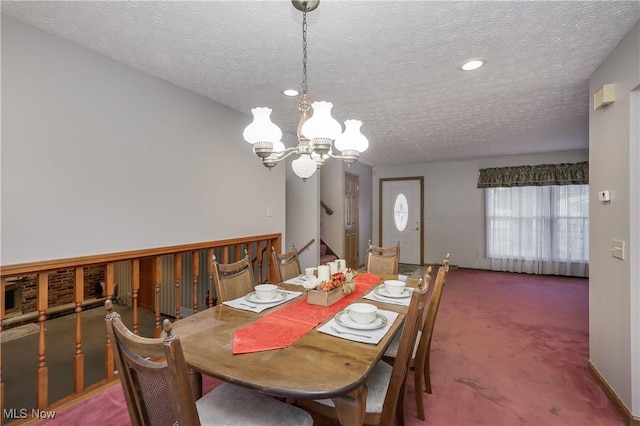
538 229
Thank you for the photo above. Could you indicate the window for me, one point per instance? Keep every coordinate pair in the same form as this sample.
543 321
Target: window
538 223
401 212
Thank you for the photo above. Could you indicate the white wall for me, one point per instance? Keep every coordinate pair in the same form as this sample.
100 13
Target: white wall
332 194
98 157
613 292
303 213
454 206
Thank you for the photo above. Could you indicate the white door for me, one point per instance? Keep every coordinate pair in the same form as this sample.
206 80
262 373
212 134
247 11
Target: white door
401 217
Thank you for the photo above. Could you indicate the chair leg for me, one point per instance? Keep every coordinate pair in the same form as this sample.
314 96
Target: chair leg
401 415
427 373
417 380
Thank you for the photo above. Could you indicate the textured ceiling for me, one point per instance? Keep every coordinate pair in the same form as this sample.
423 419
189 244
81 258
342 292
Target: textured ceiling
392 64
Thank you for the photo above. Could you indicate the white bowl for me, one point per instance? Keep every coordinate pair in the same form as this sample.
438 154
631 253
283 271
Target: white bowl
362 313
266 291
394 286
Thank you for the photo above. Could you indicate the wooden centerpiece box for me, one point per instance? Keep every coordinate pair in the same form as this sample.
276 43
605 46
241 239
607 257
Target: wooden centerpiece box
324 298
329 292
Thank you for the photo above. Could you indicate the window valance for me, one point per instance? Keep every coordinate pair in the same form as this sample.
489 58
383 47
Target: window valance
540 175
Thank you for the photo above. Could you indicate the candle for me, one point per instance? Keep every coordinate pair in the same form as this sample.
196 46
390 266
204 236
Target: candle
333 267
324 273
342 265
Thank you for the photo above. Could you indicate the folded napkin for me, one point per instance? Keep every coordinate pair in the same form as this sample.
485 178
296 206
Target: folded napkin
358 335
245 305
299 280
378 297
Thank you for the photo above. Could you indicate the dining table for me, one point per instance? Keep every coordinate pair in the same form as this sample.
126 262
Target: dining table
315 366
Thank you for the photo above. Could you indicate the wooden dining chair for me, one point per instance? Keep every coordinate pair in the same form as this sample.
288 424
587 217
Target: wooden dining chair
422 350
287 264
382 260
386 384
233 280
155 381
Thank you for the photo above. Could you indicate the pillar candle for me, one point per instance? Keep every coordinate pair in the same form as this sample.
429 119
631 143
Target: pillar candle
324 273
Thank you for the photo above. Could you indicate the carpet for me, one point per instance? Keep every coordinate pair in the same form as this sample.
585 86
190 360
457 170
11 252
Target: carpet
18 332
407 269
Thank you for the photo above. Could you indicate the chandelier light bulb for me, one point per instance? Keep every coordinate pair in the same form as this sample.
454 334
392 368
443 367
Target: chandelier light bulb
322 125
262 128
278 147
352 138
304 166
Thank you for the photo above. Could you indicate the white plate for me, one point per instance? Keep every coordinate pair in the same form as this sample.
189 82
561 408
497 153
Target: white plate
383 292
345 320
280 296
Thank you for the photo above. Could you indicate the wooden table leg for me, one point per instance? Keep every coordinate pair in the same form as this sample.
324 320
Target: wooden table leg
350 408
195 379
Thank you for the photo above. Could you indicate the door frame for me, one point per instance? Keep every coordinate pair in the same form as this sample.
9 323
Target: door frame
355 177
380 209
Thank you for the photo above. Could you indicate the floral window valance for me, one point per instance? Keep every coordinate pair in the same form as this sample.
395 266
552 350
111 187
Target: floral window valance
540 175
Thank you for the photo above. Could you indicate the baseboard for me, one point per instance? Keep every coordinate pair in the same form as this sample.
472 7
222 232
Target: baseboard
624 411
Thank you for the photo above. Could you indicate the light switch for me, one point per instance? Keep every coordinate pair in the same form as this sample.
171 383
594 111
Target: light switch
617 249
269 211
604 196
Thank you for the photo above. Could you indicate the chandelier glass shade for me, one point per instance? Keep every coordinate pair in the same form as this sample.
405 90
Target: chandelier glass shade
317 133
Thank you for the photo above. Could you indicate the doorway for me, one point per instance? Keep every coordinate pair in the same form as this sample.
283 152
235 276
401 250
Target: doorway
351 220
401 213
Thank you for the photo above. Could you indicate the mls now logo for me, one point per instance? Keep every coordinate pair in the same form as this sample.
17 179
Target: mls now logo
23 413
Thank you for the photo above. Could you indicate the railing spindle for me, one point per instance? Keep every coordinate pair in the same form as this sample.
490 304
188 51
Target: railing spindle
177 275
135 288
109 361
195 263
43 371
78 359
210 267
158 281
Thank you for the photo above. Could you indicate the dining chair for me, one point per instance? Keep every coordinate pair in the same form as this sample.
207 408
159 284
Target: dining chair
287 264
422 348
386 384
233 280
155 381
382 260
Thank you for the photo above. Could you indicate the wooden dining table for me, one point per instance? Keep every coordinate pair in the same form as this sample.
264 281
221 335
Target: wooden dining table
316 366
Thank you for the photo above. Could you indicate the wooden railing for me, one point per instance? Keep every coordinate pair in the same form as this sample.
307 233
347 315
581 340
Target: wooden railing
226 251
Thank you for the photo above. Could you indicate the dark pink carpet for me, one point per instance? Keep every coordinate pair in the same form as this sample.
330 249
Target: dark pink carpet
508 349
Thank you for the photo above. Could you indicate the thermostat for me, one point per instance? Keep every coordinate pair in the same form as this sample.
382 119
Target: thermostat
604 196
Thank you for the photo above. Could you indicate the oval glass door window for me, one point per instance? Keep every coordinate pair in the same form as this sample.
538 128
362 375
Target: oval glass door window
401 212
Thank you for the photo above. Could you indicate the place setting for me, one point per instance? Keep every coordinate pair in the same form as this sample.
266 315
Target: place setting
264 297
360 322
394 292
303 279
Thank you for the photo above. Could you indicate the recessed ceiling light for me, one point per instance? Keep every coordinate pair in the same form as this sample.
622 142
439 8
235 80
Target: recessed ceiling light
472 64
290 92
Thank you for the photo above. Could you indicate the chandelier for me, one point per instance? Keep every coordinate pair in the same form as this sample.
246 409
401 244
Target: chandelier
317 134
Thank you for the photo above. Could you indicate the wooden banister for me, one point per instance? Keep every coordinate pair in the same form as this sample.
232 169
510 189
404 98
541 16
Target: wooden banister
129 268
306 246
328 210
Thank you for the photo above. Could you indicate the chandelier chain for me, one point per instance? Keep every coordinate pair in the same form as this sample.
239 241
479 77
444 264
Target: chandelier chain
304 51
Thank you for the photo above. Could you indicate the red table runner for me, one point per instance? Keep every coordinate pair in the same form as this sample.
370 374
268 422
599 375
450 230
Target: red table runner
284 326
